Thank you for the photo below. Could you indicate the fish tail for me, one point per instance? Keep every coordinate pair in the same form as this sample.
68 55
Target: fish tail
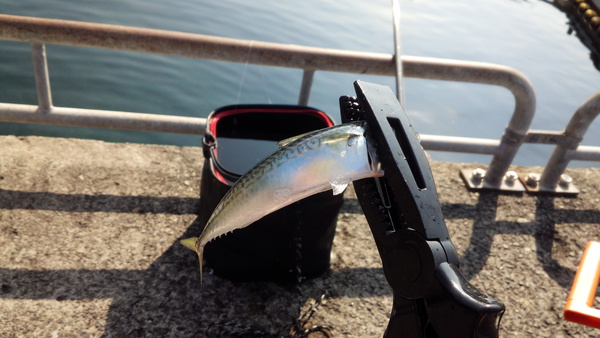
190 243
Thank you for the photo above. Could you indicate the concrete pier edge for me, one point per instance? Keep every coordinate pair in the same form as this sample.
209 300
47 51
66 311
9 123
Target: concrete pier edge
89 247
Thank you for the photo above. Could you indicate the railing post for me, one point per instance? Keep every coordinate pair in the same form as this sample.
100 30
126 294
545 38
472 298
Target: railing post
42 79
307 80
510 143
514 133
572 136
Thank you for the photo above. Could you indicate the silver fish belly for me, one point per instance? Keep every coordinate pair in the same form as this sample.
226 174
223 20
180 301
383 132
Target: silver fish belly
315 162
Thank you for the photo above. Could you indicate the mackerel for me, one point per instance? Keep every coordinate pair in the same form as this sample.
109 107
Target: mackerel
305 165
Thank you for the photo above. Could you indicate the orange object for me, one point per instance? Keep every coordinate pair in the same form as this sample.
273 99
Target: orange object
579 308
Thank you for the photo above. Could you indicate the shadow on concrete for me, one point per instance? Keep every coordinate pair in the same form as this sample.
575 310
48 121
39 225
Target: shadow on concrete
166 299
485 227
547 216
11 199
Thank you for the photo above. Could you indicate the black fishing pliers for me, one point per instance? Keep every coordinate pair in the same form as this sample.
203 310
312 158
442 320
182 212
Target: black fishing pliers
431 296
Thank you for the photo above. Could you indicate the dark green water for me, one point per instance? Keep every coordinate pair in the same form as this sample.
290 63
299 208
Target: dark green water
530 36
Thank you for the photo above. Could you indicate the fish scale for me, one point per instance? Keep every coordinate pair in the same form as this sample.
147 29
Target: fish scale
267 165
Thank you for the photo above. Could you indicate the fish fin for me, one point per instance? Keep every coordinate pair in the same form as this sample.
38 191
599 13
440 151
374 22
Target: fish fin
339 188
289 140
189 243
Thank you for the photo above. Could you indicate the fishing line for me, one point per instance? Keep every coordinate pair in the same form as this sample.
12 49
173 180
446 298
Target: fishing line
260 72
264 83
297 328
244 72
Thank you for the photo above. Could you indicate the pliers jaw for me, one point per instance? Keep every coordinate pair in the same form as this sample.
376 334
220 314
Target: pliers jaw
431 296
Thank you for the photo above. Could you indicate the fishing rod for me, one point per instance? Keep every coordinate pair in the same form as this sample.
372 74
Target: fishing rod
397 54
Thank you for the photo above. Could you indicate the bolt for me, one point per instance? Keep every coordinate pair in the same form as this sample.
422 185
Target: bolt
511 176
565 180
532 180
478 174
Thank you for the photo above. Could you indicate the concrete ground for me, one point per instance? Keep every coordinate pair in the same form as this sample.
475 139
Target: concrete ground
89 247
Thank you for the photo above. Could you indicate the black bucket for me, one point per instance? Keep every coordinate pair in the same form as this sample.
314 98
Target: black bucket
291 242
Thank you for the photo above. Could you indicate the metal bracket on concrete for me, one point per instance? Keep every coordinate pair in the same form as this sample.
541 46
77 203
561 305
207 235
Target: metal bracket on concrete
475 180
513 182
565 186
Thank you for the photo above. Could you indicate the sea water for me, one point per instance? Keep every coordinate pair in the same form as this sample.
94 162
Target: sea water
530 36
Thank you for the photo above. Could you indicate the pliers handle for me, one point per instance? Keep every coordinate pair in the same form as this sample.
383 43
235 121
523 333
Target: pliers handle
431 296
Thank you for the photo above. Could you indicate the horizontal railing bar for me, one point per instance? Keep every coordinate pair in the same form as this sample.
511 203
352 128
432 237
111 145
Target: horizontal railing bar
51 31
459 144
585 153
77 117
62 32
544 136
93 118
489 146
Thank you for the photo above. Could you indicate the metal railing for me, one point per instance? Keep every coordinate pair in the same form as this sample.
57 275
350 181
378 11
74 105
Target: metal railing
567 144
39 32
